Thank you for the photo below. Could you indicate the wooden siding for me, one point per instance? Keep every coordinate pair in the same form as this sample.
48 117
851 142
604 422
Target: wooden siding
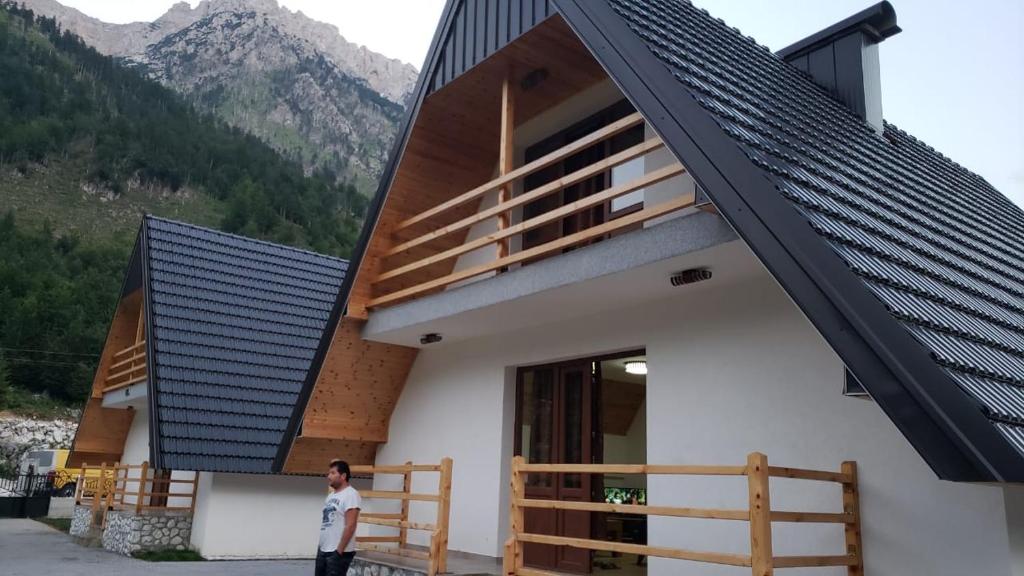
479 28
102 431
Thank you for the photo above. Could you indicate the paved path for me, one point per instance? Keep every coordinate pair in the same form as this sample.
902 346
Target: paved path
30 548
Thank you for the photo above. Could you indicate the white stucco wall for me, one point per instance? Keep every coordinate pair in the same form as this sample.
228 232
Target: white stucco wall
731 370
1014 496
257 516
136 451
136 445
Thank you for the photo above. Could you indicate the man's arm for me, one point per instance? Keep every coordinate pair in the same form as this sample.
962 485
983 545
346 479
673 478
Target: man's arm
351 518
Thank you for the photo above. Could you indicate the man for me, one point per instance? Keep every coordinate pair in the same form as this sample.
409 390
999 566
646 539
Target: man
338 526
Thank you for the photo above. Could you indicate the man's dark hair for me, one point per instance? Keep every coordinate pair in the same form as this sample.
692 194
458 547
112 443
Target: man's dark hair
342 467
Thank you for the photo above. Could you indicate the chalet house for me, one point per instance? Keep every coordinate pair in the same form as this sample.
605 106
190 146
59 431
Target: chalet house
207 351
613 235
619 231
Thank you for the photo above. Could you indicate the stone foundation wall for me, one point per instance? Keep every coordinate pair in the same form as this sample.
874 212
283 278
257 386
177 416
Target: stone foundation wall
81 521
128 532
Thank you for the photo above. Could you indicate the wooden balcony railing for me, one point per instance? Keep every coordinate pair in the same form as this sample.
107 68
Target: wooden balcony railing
759 514
503 211
437 555
129 367
105 488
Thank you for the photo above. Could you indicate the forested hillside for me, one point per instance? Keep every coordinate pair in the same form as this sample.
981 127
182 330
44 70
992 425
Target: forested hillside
86 146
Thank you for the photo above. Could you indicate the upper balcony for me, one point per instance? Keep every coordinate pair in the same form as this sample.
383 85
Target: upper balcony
529 177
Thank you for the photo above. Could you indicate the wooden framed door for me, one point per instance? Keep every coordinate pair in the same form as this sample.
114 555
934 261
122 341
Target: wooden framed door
556 424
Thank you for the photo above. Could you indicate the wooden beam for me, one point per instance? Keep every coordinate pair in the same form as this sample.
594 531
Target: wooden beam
636 509
812 561
506 157
802 474
399 495
608 131
403 524
124 351
444 505
396 468
556 245
407 552
550 216
812 517
518 515
407 488
638 549
760 515
851 507
584 173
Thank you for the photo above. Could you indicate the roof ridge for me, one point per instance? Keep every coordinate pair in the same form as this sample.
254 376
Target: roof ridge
248 239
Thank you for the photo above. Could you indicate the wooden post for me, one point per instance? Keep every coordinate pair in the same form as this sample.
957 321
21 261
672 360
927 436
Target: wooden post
403 533
195 491
123 487
760 515
506 156
141 495
80 484
433 564
444 505
851 505
508 563
518 516
97 494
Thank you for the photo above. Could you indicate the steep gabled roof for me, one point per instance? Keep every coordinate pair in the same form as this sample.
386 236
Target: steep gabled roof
232 326
910 266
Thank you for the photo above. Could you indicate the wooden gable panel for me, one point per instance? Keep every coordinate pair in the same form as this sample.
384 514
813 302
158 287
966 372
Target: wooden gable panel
101 434
312 455
357 388
102 431
454 145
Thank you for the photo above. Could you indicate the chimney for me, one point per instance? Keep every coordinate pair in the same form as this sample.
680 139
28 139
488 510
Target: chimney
844 59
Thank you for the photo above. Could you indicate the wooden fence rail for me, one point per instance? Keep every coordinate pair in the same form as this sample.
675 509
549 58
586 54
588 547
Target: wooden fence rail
759 514
128 367
105 487
449 218
437 554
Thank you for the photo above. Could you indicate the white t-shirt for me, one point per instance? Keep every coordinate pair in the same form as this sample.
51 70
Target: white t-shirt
333 523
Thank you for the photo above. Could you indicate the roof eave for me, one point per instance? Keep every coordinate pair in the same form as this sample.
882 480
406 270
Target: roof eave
155 443
940 421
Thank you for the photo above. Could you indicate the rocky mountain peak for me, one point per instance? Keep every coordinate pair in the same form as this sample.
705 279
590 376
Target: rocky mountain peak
279 75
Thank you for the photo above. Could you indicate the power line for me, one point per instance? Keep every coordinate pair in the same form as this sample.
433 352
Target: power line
47 362
48 352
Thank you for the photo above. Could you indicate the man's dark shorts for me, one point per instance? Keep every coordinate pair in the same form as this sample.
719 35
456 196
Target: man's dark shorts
333 564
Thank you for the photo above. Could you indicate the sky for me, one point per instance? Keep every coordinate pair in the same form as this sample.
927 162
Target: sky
954 78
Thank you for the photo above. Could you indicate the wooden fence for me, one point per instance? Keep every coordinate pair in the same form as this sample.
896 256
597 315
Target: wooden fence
447 218
105 487
129 367
436 555
759 514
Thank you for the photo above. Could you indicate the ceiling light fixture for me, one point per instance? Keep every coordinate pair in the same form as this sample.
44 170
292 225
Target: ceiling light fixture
636 367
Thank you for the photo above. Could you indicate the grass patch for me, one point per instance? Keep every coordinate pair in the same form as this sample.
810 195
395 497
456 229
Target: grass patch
169 556
60 524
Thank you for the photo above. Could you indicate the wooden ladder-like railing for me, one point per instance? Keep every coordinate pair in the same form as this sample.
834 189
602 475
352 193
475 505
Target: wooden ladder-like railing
436 555
759 514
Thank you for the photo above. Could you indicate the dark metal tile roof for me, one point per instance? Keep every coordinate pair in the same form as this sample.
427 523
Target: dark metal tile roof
936 244
234 323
